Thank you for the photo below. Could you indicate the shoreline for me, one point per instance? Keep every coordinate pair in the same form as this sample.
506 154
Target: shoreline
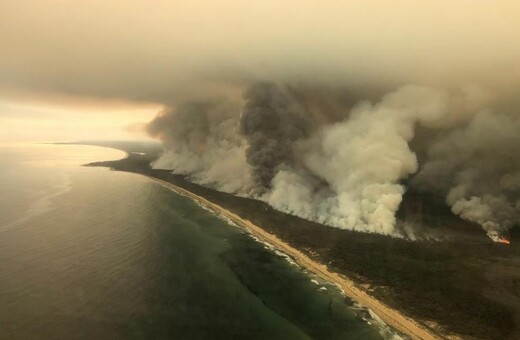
390 316
456 289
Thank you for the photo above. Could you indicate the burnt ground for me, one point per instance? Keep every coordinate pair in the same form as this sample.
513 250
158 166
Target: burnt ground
464 283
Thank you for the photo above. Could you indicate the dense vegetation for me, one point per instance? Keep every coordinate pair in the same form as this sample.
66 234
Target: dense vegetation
467 285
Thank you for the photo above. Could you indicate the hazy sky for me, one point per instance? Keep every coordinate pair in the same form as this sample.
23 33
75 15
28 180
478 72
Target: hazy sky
95 69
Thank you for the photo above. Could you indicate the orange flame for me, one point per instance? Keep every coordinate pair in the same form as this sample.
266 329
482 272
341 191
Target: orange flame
504 240
496 237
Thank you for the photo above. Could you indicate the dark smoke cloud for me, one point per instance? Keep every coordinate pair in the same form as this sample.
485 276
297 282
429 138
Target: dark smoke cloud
314 154
335 137
188 124
271 125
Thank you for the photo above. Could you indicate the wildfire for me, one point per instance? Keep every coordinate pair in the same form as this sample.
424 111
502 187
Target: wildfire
496 237
503 240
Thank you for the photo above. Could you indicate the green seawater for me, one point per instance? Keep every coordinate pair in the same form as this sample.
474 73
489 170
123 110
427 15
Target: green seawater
89 253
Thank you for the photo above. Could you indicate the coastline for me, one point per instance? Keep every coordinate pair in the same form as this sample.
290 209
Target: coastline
390 316
456 289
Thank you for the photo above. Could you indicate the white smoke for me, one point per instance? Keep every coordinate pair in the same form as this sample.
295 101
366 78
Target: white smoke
477 167
362 160
349 170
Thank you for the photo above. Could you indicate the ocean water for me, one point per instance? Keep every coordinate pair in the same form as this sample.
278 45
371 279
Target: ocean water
91 253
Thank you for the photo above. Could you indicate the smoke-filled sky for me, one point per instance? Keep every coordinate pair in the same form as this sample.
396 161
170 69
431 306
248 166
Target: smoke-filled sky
153 52
330 110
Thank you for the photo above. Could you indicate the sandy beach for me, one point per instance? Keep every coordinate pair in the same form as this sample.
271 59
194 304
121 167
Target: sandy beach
390 316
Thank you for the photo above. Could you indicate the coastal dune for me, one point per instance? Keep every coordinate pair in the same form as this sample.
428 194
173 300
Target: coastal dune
391 316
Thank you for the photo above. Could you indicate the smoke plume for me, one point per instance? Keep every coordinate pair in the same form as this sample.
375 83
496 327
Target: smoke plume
348 168
271 125
317 156
201 139
362 161
338 135
477 168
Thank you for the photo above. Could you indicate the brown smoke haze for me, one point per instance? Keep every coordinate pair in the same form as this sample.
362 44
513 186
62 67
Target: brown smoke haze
323 109
162 51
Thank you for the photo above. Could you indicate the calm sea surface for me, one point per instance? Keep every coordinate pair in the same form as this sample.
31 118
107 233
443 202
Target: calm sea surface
90 253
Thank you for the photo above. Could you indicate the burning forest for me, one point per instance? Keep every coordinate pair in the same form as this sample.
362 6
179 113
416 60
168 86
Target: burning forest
328 112
348 164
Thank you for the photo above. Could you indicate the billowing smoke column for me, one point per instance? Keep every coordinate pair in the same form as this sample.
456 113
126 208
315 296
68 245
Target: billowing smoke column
201 139
271 125
362 160
477 168
347 169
